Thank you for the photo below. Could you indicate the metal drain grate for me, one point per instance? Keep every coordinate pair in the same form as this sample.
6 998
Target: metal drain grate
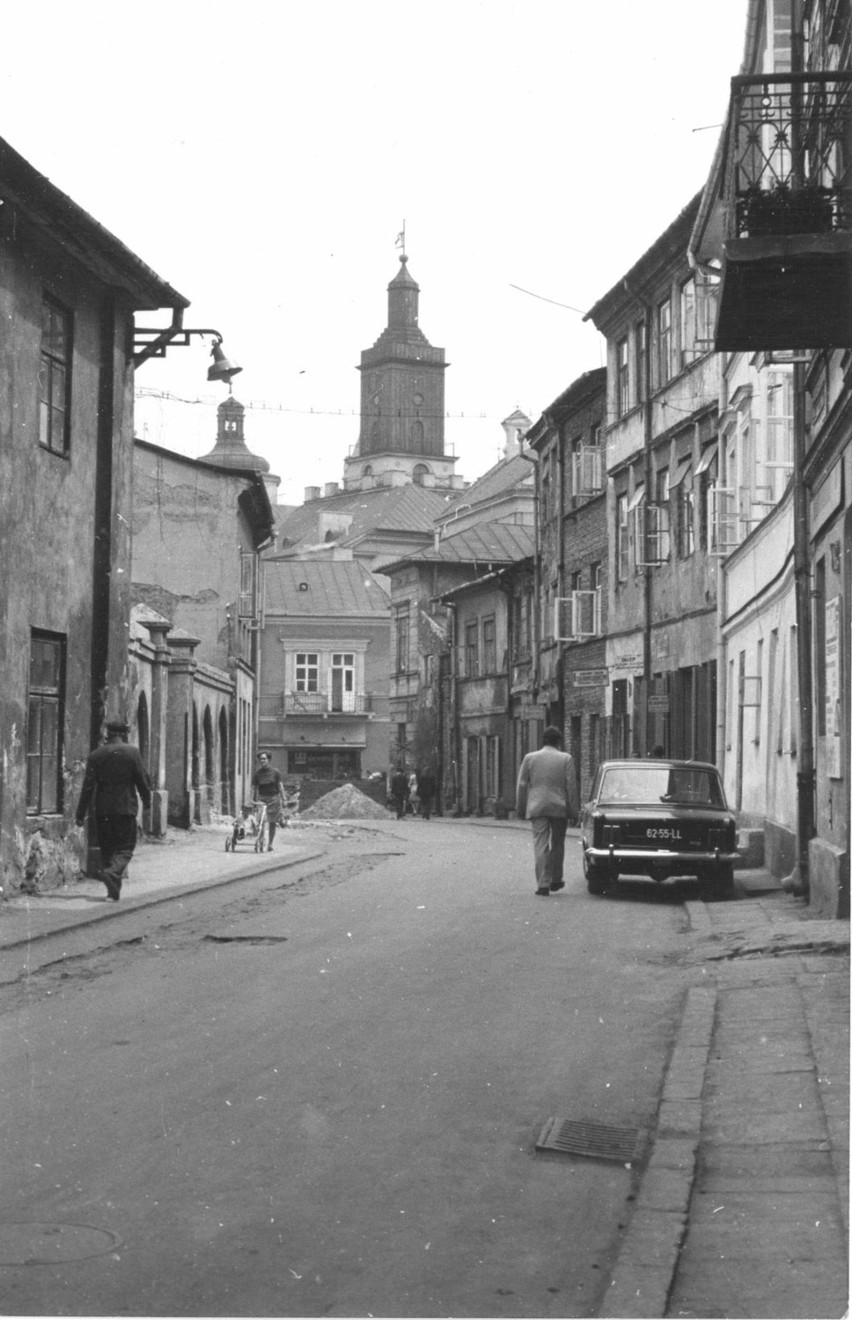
597 1140
247 939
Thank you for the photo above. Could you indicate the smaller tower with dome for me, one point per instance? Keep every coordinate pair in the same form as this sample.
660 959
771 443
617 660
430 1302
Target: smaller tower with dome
231 450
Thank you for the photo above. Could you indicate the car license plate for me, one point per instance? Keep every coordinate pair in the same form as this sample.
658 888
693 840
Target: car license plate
663 832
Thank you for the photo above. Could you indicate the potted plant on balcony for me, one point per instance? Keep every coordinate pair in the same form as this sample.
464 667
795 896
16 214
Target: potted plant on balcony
784 210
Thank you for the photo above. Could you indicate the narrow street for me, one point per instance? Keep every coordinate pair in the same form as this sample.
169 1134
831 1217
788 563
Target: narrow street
318 1091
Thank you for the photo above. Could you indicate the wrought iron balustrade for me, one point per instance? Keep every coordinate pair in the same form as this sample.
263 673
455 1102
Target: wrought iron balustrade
788 154
326 703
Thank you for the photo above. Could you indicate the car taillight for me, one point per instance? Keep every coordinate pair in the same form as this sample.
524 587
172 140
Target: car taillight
722 836
610 834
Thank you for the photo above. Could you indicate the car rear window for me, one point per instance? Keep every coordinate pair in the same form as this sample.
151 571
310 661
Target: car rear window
644 784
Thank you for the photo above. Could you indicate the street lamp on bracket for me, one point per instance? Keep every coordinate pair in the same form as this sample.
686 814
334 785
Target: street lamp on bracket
149 342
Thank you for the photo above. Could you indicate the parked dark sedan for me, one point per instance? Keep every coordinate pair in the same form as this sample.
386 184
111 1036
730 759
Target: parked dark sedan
661 819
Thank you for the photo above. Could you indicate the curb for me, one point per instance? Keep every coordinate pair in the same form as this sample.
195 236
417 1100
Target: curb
164 895
644 1271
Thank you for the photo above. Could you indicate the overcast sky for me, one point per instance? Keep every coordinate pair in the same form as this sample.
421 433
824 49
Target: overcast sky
262 158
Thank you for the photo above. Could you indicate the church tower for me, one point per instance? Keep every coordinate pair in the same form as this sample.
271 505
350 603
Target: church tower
402 402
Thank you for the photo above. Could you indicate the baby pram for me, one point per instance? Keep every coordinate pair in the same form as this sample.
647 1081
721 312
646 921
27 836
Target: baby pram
250 826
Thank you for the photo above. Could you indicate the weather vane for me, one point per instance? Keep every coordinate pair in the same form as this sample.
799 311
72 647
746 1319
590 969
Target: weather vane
400 239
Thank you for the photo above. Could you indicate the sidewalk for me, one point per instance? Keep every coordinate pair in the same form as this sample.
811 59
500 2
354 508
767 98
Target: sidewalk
742 1206
160 870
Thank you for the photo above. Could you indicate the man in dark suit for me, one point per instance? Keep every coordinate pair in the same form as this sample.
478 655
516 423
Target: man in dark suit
114 776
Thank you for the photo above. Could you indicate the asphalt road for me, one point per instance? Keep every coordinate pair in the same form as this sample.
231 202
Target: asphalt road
318 1092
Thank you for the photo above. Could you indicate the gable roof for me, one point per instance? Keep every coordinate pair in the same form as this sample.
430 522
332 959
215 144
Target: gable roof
72 229
487 543
504 477
411 508
322 588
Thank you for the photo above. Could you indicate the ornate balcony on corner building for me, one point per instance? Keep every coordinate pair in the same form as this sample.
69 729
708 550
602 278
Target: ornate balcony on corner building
786 188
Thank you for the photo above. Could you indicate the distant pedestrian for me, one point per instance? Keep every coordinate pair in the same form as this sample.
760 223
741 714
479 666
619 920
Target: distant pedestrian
547 794
268 788
114 776
426 789
413 793
400 790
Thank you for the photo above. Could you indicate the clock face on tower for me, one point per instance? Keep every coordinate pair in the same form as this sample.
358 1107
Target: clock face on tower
418 399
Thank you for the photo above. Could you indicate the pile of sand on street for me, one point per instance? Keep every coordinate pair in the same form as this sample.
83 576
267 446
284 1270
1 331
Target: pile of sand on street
345 803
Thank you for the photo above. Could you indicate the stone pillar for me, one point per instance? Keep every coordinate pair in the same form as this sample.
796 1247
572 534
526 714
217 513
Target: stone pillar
156 820
178 760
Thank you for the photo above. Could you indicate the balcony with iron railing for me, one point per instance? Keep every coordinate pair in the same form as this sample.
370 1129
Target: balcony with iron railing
326 703
787 188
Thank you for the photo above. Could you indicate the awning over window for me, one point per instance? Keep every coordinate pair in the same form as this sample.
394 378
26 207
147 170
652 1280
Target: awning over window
684 467
707 458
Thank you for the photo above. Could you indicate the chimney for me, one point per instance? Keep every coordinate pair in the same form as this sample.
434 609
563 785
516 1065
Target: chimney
330 488
311 493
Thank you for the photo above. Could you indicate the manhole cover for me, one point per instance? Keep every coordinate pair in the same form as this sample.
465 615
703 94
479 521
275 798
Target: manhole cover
597 1140
51 1244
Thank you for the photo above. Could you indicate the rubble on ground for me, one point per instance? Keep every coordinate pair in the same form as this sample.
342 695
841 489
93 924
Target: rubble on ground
345 803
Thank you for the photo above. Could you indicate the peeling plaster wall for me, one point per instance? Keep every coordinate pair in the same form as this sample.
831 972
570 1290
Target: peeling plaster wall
48 533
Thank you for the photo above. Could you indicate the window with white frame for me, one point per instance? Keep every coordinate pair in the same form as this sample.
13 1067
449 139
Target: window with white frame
307 671
778 456
662 500
577 616
342 681
636 526
622 377
621 537
588 470
651 534
664 341
248 583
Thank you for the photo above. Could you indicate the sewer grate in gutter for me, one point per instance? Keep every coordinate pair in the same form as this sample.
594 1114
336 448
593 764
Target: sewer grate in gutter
597 1140
246 939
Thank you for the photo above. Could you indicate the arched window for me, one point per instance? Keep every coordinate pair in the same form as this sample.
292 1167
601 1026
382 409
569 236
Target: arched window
417 433
368 470
420 471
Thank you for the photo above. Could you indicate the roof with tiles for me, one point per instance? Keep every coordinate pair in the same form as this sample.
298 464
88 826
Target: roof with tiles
488 543
505 476
322 588
409 508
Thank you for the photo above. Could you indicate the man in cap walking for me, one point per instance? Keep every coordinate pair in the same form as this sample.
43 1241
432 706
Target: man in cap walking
114 776
547 795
